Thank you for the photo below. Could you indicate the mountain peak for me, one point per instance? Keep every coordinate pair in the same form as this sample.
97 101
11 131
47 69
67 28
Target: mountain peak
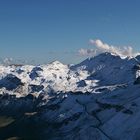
103 58
56 64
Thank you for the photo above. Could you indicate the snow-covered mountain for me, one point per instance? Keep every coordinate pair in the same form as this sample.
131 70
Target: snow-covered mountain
97 99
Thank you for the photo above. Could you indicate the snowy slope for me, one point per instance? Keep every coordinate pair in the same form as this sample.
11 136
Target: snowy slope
97 99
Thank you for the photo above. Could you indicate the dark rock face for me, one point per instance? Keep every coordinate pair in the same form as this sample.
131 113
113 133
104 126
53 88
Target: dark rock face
37 69
33 75
34 72
10 82
138 57
19 71
137 81
82 83
36 88
136 67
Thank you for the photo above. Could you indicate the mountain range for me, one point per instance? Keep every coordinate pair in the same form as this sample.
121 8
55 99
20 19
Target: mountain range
97 99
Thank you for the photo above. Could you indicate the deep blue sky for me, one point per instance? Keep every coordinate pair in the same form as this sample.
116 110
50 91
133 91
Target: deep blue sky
45 30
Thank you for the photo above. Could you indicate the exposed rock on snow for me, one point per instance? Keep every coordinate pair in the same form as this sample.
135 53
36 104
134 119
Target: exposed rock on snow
10 82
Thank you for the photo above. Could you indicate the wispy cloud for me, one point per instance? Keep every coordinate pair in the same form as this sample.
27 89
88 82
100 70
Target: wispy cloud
7 61
100 47
87 52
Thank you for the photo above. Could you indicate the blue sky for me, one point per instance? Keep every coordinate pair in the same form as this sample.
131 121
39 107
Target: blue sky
46 30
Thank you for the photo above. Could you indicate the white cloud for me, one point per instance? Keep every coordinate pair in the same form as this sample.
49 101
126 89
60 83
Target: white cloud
101 47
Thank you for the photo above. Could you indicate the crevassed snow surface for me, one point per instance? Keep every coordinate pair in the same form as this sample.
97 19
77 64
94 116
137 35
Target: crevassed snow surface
97 99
